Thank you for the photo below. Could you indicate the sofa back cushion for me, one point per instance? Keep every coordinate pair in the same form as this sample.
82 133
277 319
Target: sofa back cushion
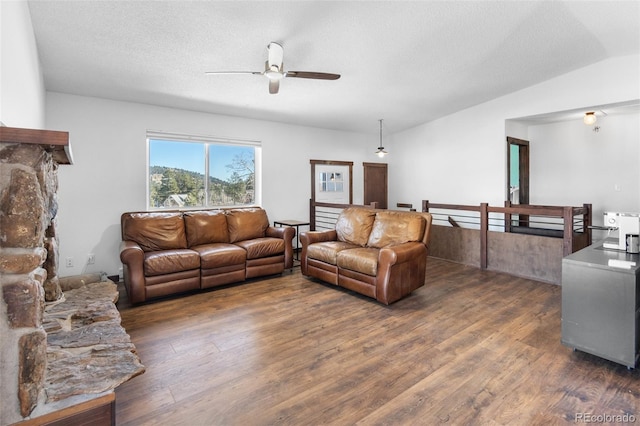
246 224
390 228
155 231
354 225
206 227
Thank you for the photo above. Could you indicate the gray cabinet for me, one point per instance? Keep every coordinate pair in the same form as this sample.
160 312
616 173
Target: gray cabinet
601 304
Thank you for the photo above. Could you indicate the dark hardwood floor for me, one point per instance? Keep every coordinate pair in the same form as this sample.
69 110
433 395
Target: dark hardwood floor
470 347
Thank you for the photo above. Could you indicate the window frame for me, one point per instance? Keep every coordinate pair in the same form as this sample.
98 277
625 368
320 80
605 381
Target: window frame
207 141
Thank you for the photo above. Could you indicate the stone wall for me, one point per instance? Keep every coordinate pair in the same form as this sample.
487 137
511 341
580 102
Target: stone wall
61 339
28 273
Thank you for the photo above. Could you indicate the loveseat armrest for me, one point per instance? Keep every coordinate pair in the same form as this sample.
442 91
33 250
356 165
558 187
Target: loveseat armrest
401 253
132 258
401 269
286 233
310 237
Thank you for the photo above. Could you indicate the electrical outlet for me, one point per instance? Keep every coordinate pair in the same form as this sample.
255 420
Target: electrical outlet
91 259
69 262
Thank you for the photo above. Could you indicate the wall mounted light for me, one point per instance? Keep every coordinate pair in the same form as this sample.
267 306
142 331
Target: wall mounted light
381 152
589 118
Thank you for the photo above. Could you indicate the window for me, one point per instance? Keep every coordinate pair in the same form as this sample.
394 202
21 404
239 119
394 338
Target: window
331 182
196 171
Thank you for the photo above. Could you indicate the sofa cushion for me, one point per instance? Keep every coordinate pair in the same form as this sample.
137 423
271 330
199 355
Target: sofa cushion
246 224
354 225
328 251
220 254
262 247
205 227
155 231
170 261
391 228
361 259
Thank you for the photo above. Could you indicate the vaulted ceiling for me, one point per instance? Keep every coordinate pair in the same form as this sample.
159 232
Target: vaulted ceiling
405 62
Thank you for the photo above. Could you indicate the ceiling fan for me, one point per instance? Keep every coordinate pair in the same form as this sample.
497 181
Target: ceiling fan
274 70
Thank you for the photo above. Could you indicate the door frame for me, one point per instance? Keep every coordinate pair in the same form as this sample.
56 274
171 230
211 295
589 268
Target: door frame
349 164
523 169
523 175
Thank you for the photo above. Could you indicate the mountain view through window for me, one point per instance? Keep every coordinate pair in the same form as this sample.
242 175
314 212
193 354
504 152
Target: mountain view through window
192 174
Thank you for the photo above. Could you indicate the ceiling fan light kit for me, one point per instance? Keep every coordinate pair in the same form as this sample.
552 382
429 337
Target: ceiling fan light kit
274 70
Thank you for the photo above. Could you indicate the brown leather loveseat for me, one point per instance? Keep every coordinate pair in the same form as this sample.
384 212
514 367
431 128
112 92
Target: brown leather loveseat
378 253
170 252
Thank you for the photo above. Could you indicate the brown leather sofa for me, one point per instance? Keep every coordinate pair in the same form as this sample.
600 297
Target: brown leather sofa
378 253
176 251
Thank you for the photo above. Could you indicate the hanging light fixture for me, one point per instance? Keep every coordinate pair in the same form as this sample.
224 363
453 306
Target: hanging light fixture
381 152
589 118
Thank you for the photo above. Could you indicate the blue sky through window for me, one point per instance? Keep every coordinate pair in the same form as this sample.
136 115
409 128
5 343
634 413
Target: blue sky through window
222 155
190 156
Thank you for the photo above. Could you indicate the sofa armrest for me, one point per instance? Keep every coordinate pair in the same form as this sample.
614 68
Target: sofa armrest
286 233
132 258
401 269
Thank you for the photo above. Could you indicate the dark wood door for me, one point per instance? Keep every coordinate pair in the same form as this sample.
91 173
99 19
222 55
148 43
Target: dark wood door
375 184
518 175
518 170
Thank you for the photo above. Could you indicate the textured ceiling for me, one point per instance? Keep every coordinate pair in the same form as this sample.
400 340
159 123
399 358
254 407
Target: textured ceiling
405 62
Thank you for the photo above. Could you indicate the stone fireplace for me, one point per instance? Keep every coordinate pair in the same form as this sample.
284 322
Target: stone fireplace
29 161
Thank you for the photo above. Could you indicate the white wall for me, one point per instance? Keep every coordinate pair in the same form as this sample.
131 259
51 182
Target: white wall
461 158
108 177
22 91
571 164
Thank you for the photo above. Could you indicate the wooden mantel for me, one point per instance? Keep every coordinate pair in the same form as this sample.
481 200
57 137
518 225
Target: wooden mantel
56 142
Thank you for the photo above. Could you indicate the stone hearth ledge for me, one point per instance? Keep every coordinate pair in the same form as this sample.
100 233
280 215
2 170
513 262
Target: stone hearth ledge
88 352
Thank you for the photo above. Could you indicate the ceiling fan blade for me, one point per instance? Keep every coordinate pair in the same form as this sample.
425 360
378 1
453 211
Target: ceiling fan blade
276 55
274 86
274 70
314 75
233 72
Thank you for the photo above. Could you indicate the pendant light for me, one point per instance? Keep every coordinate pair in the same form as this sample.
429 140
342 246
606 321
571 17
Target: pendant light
381 152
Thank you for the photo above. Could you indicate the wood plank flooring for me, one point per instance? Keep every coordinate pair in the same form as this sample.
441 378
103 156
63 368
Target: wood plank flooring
471 347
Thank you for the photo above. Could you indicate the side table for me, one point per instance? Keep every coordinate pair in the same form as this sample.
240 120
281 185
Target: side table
294 224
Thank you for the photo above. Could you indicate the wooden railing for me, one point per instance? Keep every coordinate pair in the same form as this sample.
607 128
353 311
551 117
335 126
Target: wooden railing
566 224
569 222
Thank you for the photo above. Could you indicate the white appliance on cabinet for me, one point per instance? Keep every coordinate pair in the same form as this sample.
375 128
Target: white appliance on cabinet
625 223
